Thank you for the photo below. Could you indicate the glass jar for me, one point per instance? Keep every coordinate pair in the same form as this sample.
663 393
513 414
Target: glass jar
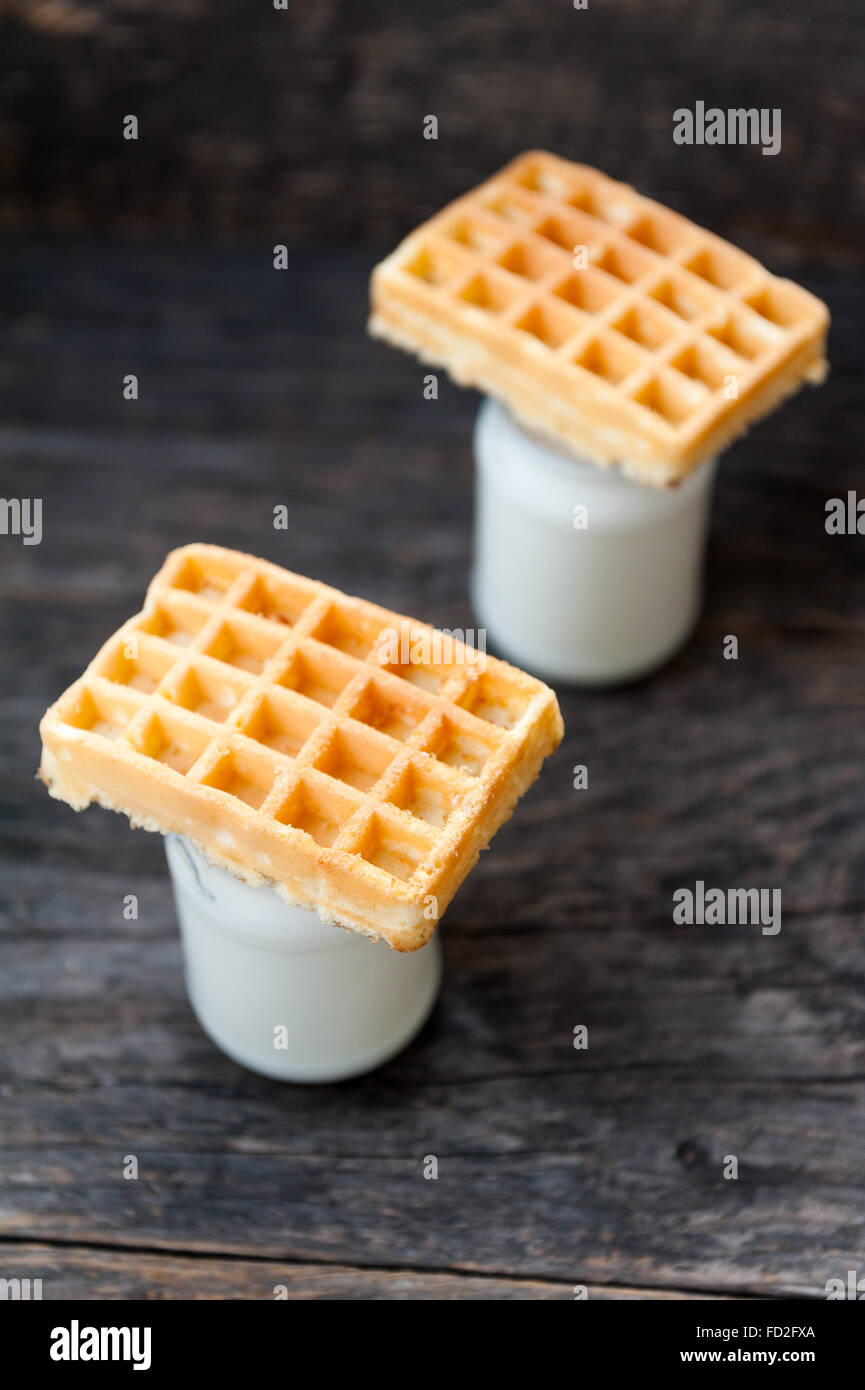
581 575
282 992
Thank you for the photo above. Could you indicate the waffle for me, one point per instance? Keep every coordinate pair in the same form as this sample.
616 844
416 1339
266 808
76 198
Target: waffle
630 358
354 758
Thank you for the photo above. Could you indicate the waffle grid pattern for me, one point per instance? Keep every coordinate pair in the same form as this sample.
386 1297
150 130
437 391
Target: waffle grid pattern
245 681
654 325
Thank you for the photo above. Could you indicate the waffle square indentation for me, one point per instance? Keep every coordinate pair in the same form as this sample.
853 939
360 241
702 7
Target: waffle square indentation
243 645
242 774
453 744
392 849
355 756
317 673
395 711
320 811
167 740
426 796
207 690
281 722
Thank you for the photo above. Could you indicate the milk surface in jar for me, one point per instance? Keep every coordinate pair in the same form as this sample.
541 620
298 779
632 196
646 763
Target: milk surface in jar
581 574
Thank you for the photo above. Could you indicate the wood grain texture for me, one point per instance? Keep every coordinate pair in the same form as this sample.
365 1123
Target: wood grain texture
308 122
557 1167
77 1272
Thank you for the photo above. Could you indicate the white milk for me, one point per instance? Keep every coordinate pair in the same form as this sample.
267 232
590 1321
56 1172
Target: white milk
603 604
342 1004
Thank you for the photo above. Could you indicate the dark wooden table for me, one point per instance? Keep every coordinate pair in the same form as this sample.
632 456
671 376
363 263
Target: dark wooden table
556 1167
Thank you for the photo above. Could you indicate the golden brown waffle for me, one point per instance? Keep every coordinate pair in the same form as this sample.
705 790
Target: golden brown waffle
355 758
632 358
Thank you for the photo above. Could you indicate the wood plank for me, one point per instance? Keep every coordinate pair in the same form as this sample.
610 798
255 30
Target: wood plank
613 1178
338 152
70 1272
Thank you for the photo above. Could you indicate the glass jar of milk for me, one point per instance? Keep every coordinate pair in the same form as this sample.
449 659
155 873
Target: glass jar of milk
580 574
282 992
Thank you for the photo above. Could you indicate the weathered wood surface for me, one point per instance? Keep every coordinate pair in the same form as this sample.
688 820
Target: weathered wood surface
308 122
69 1272
556 1167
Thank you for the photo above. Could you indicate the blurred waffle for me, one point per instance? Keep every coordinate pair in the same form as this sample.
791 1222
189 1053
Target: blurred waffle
655 354
353 757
